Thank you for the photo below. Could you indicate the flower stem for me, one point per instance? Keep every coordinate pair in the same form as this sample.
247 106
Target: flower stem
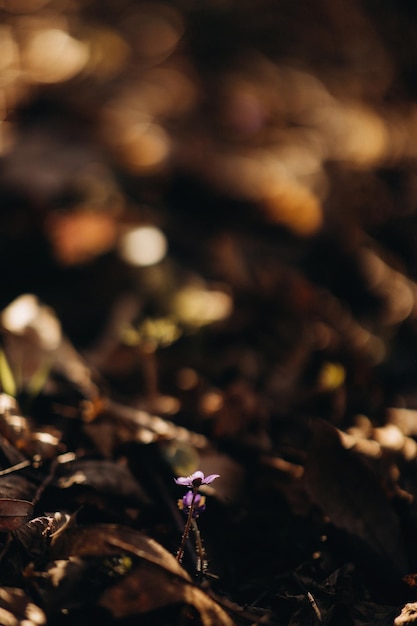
186 532
201 561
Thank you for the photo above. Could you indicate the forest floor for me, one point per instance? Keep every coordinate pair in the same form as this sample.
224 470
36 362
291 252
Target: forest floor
208 261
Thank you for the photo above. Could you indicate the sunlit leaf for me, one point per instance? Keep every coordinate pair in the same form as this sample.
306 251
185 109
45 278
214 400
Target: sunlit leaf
38 380
7 381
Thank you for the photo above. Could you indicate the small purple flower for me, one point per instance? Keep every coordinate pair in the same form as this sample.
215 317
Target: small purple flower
194 481
199 503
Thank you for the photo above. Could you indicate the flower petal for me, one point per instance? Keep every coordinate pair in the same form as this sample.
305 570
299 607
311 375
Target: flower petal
196 479
198 475
188 498
182 480
209 479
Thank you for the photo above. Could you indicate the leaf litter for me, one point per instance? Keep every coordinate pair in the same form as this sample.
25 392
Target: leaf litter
208 251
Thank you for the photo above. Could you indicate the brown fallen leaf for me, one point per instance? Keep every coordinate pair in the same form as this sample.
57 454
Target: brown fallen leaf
148 588
100 476
30 541
14 513
107 539
347 490
156 579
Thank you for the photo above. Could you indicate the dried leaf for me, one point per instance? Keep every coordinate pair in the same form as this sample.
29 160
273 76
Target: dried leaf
14 513
108 479
158 580
344 486
107 539
148 588
31 541
76 582
120 424
17 487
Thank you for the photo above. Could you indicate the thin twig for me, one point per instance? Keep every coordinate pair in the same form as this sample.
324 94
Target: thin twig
16 468
314 606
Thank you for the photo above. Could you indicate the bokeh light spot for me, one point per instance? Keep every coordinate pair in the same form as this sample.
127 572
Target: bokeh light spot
51 55
143 246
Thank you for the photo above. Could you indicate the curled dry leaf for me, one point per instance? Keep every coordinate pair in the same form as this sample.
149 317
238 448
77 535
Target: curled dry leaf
31 541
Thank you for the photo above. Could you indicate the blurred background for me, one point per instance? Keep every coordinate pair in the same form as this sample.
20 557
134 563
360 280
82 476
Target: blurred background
217 199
